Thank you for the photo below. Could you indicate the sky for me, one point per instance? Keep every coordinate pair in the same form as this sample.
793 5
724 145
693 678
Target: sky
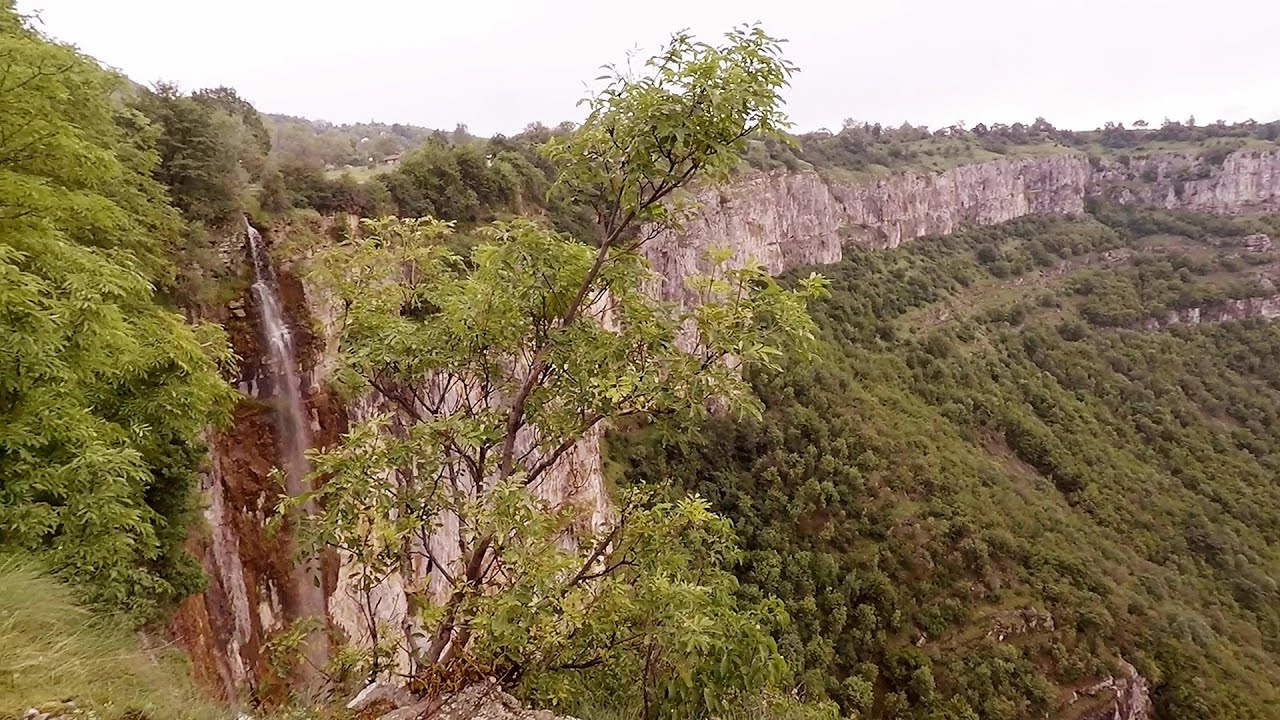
497 65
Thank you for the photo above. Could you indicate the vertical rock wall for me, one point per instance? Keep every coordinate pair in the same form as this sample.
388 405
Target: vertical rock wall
785 220
250 595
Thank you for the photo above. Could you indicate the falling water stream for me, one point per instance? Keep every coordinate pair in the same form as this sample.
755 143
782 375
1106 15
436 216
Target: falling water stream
293 431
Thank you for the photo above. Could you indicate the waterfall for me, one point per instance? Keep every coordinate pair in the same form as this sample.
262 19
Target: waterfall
291 413
293 432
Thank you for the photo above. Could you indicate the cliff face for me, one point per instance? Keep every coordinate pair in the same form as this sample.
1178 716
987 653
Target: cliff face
1227 311
251 595
784 220
1126 697
781 220
1246 181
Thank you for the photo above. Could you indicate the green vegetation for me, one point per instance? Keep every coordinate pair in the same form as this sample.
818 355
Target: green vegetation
970 514
212 146
52 649
501 361
862 151
996 479
316 143
103 391
449 177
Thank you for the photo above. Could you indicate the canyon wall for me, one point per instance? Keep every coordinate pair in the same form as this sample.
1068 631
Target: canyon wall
782 220
785 220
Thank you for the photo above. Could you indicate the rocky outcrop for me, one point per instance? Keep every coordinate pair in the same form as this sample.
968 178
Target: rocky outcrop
1261 307
1256 243
1246 181
1019 622
1126 696
785 220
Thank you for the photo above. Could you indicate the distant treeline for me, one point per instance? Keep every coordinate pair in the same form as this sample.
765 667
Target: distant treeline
220 158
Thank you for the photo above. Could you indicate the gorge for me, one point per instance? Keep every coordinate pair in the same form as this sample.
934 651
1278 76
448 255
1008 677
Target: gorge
783 220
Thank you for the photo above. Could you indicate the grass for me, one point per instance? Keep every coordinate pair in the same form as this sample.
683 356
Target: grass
1191 148
52 650
937 155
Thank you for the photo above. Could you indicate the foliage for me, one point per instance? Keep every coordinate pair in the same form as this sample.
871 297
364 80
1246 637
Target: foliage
309 187
103 392
453 183
52 649
228 102
497 365
317 143
966 516
648 136
871 148
210 146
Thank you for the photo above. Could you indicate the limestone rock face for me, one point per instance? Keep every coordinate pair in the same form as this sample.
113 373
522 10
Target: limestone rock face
780 220
784 220
1246 181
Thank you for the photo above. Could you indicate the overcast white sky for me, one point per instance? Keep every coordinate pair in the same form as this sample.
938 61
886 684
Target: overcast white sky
497 65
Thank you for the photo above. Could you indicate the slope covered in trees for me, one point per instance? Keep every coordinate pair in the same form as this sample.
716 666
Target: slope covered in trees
995 482
96 467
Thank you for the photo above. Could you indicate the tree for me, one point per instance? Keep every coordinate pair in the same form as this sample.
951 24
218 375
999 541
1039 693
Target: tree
103 392
199 160
226 99
498 366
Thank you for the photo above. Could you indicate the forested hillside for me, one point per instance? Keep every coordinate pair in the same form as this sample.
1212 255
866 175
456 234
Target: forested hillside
1002 476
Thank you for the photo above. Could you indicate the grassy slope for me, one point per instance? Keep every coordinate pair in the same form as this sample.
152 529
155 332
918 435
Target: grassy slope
51 650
